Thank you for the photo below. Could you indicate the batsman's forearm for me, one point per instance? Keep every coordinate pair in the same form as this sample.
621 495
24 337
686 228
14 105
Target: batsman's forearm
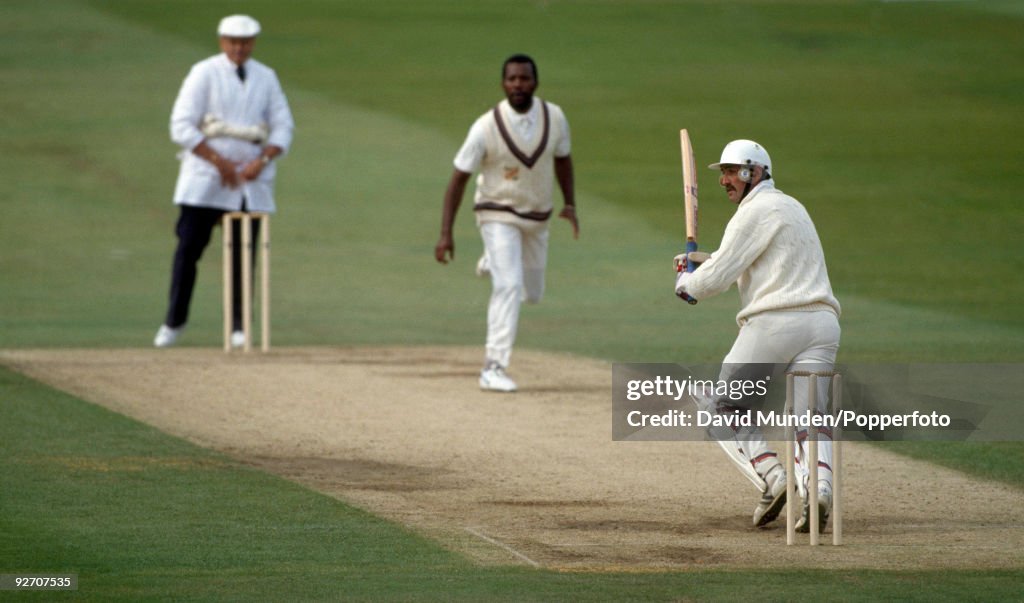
706 281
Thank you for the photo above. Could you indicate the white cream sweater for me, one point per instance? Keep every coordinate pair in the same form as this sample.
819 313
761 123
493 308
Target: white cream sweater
771 250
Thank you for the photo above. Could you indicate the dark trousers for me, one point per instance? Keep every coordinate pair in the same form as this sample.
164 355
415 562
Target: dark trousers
194 229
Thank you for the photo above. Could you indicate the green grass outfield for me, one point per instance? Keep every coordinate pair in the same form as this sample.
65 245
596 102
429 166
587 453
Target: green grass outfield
896 123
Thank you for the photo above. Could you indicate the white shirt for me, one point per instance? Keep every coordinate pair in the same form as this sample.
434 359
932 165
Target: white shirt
771 250
213 87
527 126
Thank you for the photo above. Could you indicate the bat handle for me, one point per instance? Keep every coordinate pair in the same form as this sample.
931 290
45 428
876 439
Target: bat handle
690 247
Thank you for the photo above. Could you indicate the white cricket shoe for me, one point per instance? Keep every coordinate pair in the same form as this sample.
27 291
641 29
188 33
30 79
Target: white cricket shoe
493 378
483 266
167 336
237 339
803 525
773 499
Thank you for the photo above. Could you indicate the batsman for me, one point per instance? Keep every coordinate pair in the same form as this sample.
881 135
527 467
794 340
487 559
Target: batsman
788 318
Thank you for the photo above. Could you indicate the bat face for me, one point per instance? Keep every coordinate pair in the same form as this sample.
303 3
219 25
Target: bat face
689 199
689 190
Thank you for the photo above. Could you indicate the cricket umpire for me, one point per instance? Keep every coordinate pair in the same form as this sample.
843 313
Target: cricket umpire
788 314
520 147
232 120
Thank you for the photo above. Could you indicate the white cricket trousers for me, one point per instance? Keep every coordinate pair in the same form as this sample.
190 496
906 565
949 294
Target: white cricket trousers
800 341
517 257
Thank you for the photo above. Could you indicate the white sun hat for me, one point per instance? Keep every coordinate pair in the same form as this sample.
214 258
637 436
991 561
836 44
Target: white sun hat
238 26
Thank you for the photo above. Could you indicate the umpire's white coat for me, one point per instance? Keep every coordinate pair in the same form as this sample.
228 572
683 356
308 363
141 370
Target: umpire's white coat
213 87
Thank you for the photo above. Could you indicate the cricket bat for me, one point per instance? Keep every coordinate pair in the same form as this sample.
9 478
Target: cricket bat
689 200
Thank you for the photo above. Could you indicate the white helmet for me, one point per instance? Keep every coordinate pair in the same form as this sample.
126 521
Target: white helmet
744 153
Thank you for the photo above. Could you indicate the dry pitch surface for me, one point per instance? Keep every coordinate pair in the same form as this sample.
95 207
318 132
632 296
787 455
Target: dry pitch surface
531 478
